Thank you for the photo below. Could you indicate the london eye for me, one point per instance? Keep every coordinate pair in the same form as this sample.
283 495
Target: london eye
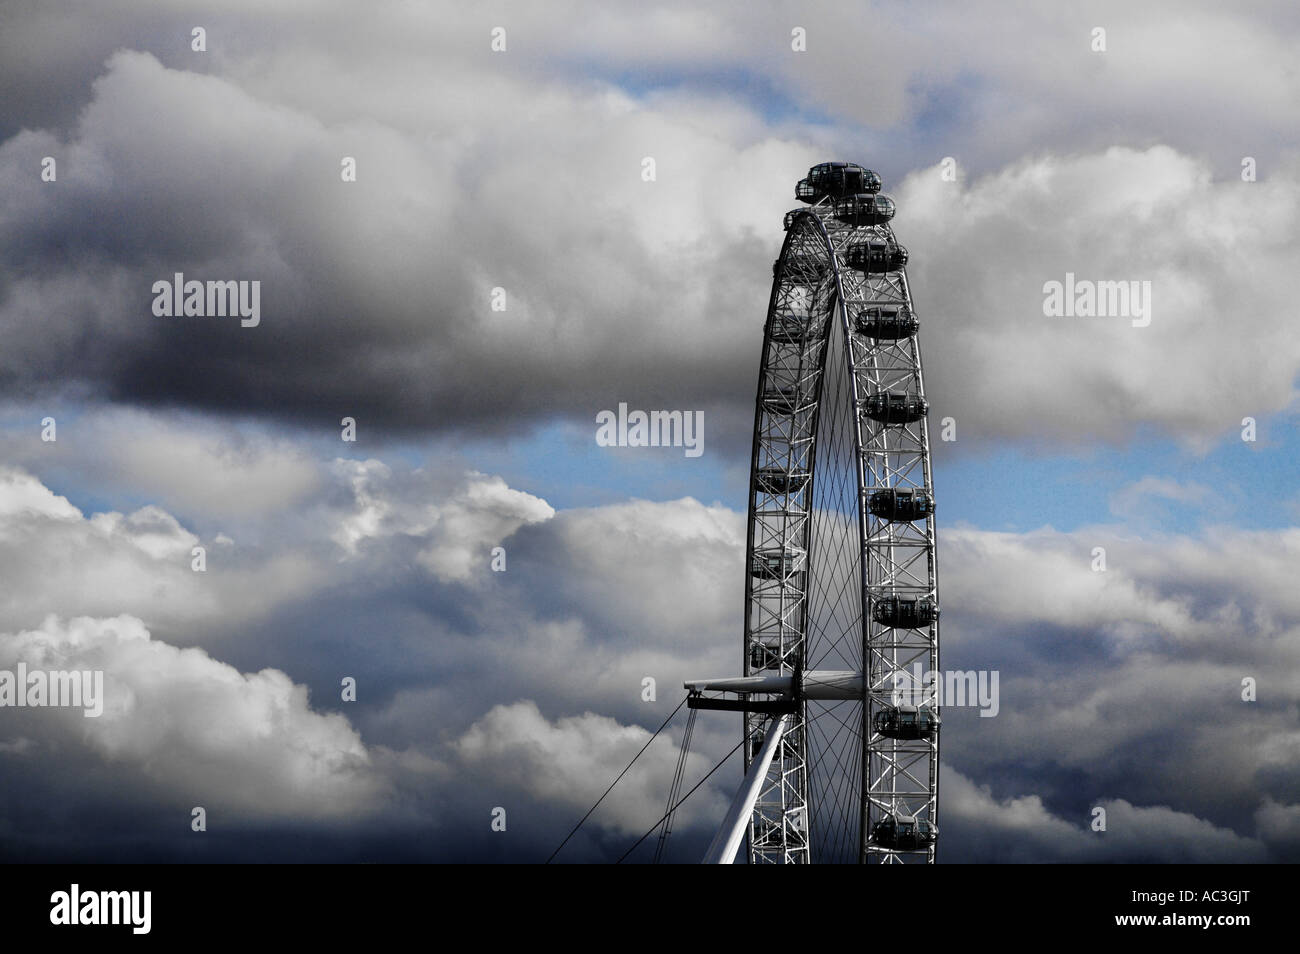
838 692
841 724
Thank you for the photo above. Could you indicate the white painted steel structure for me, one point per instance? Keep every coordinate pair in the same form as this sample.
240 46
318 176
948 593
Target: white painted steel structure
842 582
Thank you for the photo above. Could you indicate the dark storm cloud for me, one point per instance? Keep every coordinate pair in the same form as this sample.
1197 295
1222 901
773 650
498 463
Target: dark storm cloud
1128 684
374 295
521 170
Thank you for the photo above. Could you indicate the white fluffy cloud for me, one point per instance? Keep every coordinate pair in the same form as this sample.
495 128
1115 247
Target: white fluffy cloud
1218 255
180 726
570 762
456 531
597 599
55 559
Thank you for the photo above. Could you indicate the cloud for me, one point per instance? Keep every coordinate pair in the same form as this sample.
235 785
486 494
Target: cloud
940 75
54 558
1128 684
983 251
572 760
1279 823
1121 678
187 465
388 281
22 496
182 728
522 171
456 534
1138 499
142 562
659 292
1113 684
978 827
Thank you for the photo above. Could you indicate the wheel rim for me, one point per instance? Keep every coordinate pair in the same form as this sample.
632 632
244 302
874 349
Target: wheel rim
831 428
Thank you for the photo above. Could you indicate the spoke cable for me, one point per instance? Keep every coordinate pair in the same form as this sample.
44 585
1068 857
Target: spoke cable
617 780
666 829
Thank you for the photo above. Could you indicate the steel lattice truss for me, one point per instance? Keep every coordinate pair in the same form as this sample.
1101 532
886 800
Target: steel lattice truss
820 560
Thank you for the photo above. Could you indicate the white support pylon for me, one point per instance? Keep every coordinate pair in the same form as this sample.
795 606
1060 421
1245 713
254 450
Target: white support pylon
727 841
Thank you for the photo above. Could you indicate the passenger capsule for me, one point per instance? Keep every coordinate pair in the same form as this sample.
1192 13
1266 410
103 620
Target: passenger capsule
836 179
903 833
908 723
864 209
901 505
876 257
896 407
777 564
887 324
905 613
805 191
777 480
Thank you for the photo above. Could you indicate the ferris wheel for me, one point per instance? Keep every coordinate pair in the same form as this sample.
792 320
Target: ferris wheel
841 635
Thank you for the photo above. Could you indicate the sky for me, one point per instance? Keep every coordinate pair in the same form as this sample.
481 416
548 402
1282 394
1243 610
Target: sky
515 176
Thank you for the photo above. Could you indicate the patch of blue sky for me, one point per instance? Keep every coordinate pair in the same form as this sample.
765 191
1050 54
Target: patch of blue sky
1252 485
562 463
1014 487
768 99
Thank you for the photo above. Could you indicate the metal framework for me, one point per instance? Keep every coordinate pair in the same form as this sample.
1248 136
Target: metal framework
841 586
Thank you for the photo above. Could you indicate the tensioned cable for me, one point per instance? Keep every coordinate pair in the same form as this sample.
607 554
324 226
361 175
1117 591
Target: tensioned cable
666 831
725 758
617 780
